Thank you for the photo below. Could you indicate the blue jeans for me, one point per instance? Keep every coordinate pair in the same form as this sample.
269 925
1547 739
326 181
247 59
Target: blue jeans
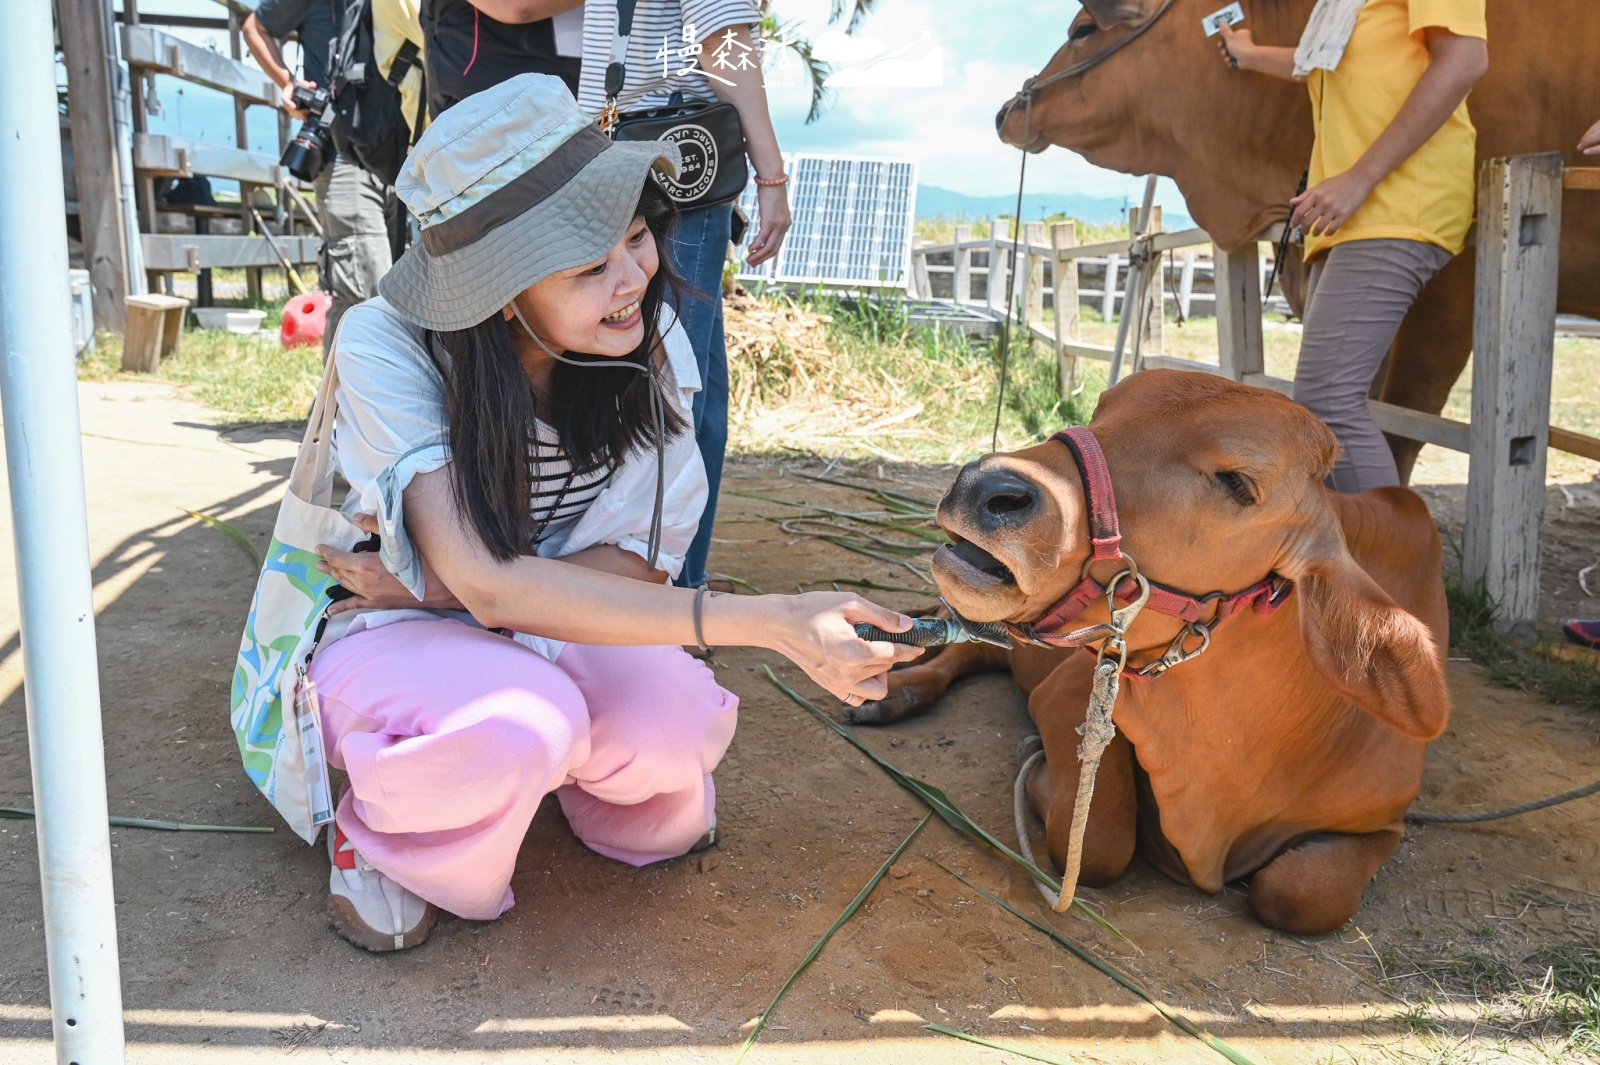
697 252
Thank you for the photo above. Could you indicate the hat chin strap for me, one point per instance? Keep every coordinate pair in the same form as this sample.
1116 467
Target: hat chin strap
656 412
562 358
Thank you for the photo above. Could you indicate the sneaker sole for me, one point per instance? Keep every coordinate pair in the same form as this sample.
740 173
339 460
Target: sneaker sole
342 915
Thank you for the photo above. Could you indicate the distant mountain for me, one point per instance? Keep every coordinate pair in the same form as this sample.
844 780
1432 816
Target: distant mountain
934 202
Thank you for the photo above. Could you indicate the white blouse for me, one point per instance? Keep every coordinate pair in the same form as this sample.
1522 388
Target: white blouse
390 426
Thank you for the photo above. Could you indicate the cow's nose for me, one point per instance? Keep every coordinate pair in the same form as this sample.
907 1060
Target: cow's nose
1005 500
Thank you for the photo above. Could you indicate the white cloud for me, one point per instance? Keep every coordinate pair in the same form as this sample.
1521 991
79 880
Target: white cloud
948 128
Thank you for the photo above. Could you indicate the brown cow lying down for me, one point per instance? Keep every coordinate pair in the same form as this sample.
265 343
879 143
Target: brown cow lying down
1289 752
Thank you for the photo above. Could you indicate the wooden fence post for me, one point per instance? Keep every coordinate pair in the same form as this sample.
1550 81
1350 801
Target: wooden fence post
961 275
1519 234
999 265
241 137
85 49
1108 298
1032 277
1238 285
1064 281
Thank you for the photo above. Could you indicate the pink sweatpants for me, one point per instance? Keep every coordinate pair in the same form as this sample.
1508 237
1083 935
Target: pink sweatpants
452 736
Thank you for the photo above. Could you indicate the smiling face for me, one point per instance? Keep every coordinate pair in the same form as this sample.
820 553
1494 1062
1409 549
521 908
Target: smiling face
595 309
1217 485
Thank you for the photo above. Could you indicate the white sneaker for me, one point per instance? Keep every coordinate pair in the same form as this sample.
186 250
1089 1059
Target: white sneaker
368 908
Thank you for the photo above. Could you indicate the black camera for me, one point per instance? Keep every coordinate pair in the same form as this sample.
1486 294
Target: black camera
312 144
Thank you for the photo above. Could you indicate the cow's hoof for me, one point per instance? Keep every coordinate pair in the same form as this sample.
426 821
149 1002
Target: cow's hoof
899 704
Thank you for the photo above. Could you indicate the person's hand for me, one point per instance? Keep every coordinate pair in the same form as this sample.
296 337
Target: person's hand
1234 45
363 573
286 97
816 633
772 211
1322 209
1590 144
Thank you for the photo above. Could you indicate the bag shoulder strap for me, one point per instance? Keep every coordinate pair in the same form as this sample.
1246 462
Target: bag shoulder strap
617 69
312 477
404 60
345 65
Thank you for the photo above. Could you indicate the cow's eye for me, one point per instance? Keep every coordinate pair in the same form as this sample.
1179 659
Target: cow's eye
1082 30
1239 486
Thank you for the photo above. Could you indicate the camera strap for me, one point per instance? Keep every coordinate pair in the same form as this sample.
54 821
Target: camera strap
617 68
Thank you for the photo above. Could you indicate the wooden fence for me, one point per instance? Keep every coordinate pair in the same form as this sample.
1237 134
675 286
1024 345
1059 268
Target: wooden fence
111 141
1518 237
1188 271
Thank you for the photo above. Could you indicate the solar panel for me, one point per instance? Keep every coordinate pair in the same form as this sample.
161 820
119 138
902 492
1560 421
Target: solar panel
852 222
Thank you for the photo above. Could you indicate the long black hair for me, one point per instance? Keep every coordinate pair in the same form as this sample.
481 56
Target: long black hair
599 415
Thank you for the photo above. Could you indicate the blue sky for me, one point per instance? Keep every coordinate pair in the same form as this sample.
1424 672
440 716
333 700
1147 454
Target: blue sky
979 54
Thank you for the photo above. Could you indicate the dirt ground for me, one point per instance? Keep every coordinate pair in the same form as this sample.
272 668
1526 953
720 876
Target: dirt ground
227 956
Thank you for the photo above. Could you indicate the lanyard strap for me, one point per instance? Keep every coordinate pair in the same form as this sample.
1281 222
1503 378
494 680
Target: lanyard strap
617 69
561 497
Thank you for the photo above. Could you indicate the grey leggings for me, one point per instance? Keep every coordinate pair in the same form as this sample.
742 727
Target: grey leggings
1356 297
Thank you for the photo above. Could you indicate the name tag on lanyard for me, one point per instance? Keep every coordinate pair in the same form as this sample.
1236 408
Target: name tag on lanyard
308 718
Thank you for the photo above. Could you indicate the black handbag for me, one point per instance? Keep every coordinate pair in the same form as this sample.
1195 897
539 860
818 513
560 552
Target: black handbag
708 135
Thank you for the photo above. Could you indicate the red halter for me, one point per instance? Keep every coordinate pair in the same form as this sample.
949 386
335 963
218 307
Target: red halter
1105 539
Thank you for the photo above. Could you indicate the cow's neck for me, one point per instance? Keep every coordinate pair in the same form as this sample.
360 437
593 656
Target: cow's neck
1236 147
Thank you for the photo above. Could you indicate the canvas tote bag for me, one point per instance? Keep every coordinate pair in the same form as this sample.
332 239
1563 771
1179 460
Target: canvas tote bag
273 704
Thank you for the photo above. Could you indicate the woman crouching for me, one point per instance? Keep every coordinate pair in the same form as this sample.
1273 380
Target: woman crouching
512 416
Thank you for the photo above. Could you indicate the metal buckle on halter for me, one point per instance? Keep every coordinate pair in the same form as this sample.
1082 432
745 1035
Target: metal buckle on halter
1176 652
1130 568
1122 617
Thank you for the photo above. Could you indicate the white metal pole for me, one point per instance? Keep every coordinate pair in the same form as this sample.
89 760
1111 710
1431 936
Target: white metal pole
44 461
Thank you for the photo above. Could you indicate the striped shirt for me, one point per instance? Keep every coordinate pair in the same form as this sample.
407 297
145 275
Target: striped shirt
658 26
556 511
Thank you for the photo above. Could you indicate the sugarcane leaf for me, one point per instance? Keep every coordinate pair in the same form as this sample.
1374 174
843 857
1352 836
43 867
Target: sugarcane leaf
948 811
969 1037
1084 954
24 813
231 531
822 941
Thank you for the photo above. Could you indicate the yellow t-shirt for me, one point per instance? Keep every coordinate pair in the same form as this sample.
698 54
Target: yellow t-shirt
1430 196
395 22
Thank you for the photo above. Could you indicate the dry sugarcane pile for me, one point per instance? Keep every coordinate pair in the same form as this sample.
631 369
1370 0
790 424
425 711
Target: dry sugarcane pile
798 385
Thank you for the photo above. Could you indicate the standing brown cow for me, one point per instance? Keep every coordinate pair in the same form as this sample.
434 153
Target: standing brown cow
1236 146
1290 750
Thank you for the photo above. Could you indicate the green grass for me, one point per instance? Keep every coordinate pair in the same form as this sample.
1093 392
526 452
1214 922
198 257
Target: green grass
1511 661
244 378
1550 996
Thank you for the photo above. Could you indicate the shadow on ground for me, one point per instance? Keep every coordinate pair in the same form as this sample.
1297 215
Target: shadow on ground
226 951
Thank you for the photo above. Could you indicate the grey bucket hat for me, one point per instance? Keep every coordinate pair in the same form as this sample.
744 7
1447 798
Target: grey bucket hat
510 186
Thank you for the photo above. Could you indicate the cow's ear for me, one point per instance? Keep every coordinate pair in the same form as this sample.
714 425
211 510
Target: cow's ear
1374 652
1109 13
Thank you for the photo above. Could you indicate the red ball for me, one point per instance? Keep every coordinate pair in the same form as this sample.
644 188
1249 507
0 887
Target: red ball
305 319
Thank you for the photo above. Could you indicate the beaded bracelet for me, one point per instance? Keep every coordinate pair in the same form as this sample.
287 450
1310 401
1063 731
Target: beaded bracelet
772 182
